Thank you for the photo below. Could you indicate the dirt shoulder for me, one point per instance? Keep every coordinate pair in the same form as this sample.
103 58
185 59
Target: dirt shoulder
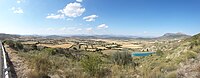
18 63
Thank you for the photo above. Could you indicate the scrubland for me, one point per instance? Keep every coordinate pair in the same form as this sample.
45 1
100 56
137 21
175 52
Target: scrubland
171 60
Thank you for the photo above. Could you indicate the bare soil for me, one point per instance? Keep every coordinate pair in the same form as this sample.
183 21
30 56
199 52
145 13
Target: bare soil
19 63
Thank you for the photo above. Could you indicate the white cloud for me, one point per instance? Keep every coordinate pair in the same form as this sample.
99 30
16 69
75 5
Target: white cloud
69 19
70 29
17 10
88 29
73 10
79 29
90 18
18 2
50 29
53 16
102 26
145 32
63 29
79 0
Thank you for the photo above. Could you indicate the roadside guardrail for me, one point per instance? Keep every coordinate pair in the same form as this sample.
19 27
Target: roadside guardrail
5 66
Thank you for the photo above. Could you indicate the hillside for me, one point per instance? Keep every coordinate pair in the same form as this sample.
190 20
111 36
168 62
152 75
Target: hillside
174 36
164 37
8 36
172 58
179 60
191 68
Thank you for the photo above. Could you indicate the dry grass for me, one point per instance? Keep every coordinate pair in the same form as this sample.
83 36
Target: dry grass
29 42
20 64
103 48
109 52
125 44
56 46
131 46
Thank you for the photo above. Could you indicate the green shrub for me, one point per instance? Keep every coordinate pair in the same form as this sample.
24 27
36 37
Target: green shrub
14 45
30 47
18 46
121 58
92 64
49 51
179 59
10 43
196 49
190 54
185 56
159 53
41 63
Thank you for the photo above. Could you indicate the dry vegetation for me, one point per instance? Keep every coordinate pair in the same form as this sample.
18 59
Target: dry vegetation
108 58
56 46
29 42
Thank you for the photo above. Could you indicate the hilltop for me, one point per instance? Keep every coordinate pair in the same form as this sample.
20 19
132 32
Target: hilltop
163 37
8 36
177 60
78 53
174 36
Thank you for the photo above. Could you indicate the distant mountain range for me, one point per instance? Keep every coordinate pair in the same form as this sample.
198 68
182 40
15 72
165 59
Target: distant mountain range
8 36
174 36
104 36
165 36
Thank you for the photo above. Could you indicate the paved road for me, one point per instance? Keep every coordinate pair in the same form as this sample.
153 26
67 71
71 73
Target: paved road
1 61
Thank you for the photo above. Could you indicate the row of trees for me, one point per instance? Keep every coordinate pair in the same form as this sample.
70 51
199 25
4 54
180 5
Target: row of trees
14 45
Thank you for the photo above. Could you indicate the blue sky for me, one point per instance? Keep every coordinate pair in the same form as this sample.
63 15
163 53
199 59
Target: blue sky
113 17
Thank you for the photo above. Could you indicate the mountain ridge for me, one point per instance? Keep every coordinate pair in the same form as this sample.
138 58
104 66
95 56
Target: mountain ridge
165 36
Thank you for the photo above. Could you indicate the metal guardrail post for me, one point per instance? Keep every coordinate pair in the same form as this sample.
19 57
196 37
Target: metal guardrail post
5 70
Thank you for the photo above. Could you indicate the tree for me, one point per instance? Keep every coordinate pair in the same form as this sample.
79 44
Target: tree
14 45
18 46
10 43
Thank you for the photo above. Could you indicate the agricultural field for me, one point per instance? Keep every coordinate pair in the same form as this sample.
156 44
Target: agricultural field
56 46
100 39
83 58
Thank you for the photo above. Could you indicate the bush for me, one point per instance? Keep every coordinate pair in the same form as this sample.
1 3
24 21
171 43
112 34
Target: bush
30 47
196 49
14 45
10 43
50 51
42 66
34 74
19 46
121 58
185 56
190 54
92 64
179 59
159 53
